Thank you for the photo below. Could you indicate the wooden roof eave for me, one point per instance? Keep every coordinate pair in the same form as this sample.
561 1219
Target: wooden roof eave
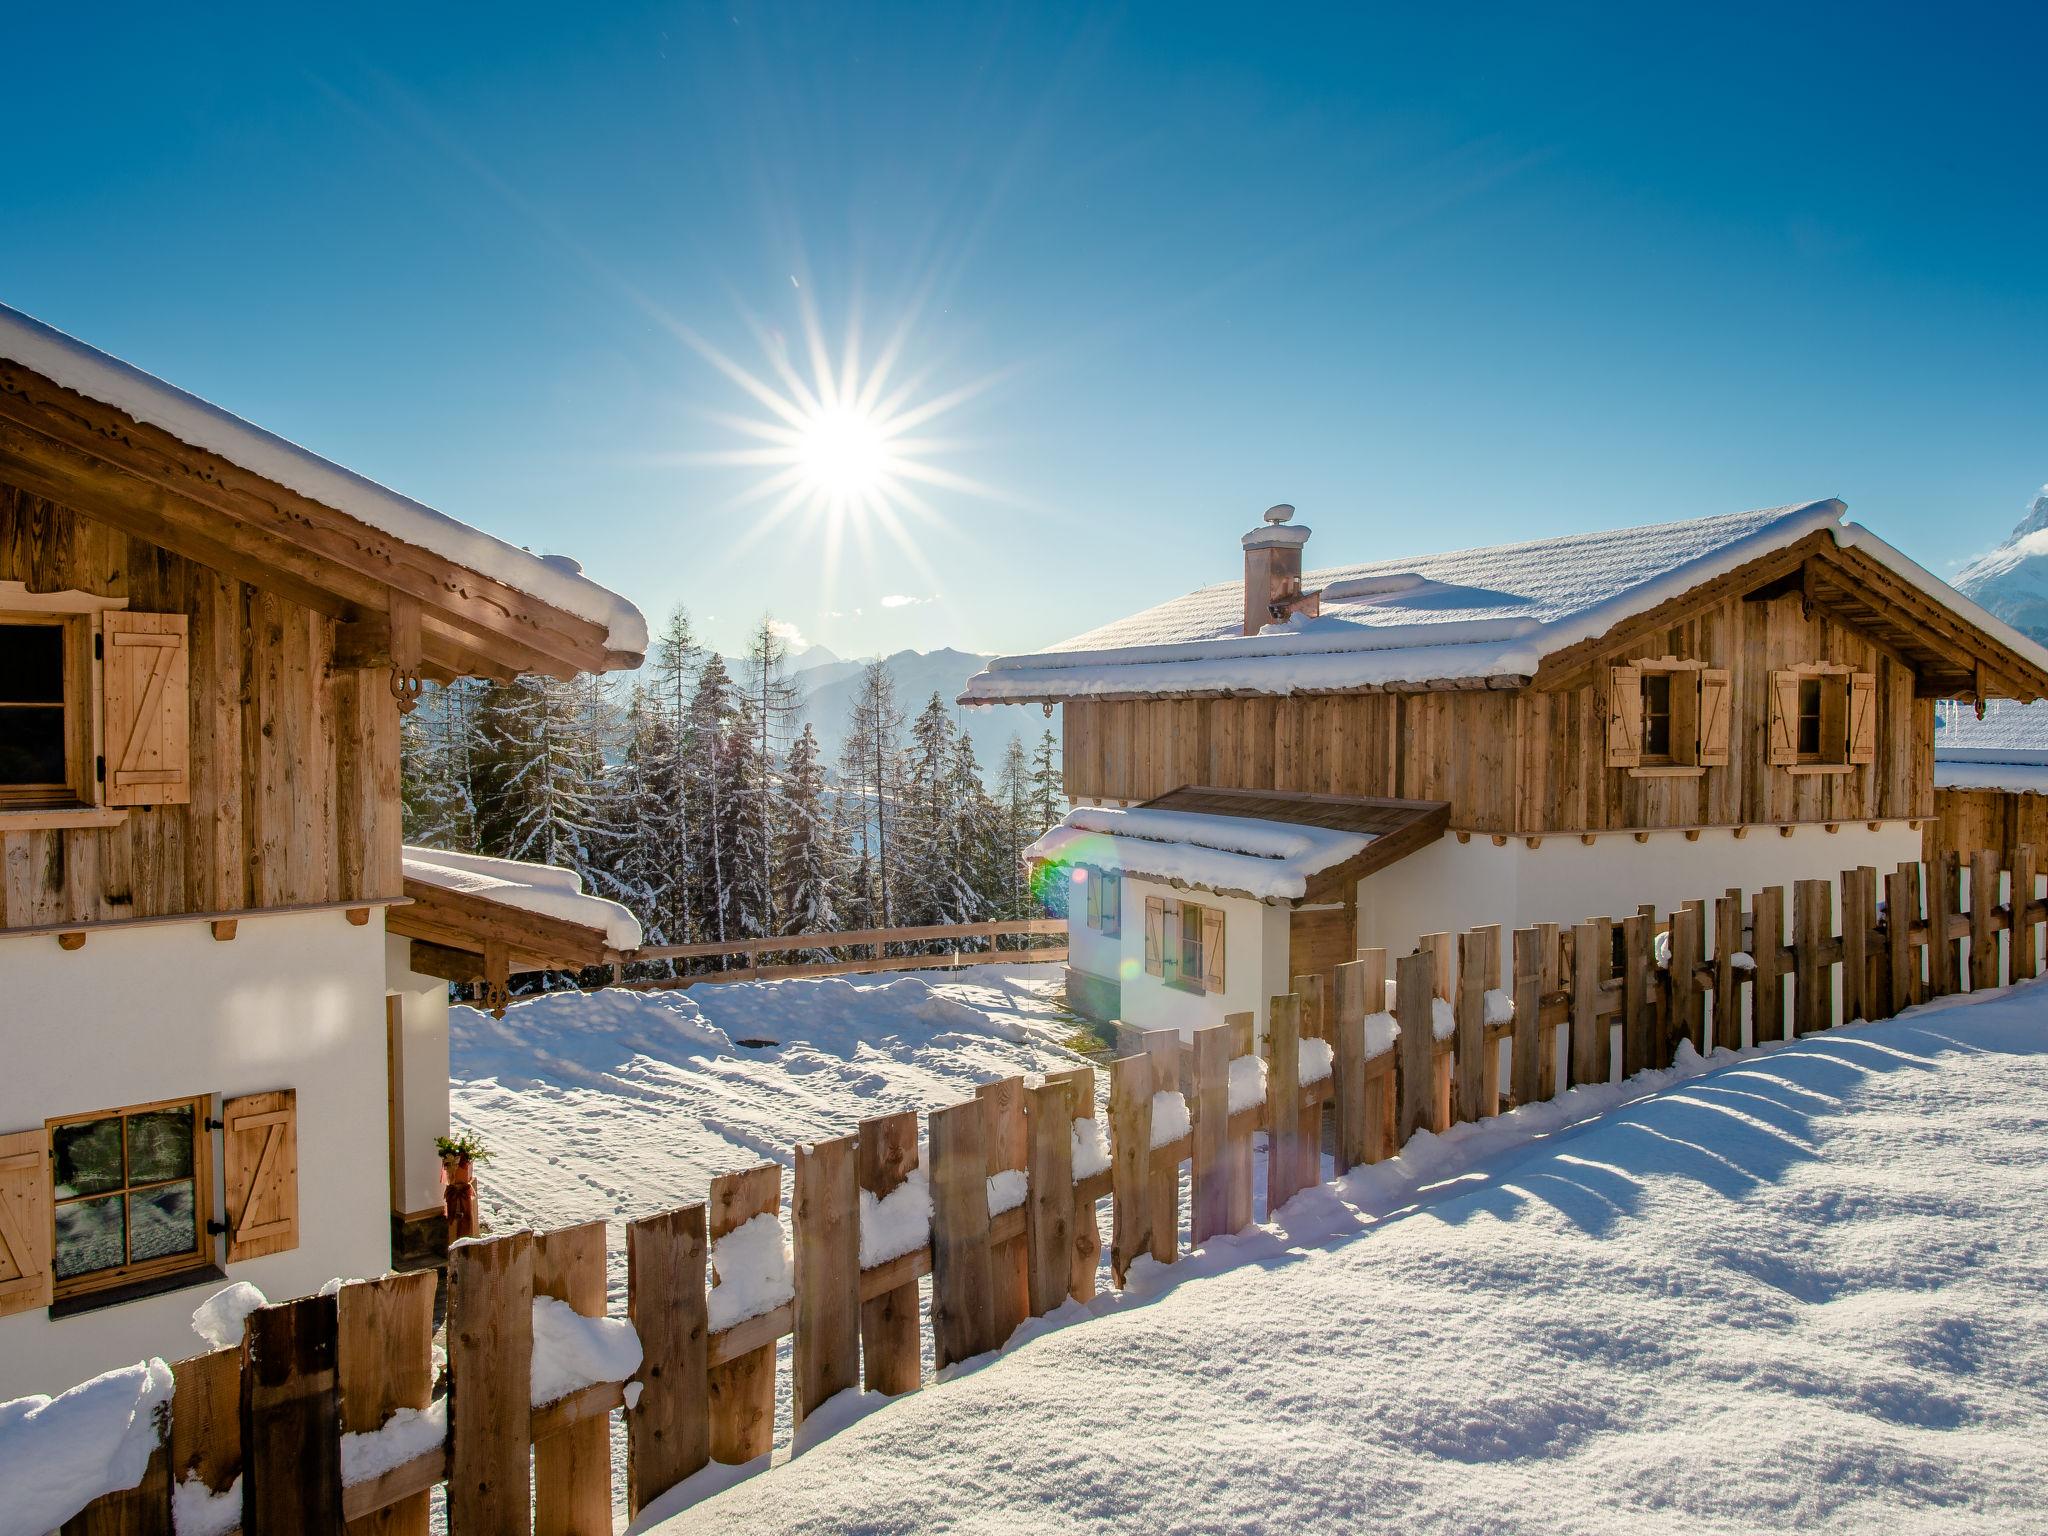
1340 882
105 465
465 921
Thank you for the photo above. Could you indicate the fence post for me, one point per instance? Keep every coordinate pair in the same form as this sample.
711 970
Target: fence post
1007 1143
1901 912
1087 1258
291 1419
1688 1005
1347 1067
1283 1093
490 1369
962 1313
1555 945
824 1209
668 1433
1415 1085
384 1362
1592 957
1380 1109
1238 1213
206 1419
1438 947
743 1389
1315 1025
1983 909
1727 980
888 1322
1813 921
1859 916
1049 1200
2022 963
1209 1209
1163 1212
1941 906
572 1468
1130 1153
1469 1005
1767 991
1526 1053
1637 956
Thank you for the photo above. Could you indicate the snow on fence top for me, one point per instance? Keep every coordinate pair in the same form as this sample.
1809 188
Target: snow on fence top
554 579
1466 614
1269 860
541 888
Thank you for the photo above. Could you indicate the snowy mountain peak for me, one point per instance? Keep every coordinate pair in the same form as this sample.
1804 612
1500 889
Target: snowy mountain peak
2012 580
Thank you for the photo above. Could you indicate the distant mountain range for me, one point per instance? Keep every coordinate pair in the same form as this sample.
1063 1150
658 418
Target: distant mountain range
2012 581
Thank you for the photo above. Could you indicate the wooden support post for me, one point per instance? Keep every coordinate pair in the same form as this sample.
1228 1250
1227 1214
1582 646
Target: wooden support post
1080 1083
1130 1150
1859 916
206 1415
1049 1208
1637 989
1238 1212
1315 1025
1688 1002
1489 941
2023 961
824 1205
384 1362
1415 1088
1469 1003
1767 987
888 1322
1554 946
668 1433
1943 972
1380 1111
1525 1058
572 1468
1983 910
291 1421
1209 1208
1813 923
1007 1145
1283 1090
1163 1213
1901 911
1438 947
1728 979
490 1370
963 1316
743 1389
1592 958
1347 1087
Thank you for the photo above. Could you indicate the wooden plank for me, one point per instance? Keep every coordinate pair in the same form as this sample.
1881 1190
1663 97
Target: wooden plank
291 1421
962 1315
1688 1003
1313 990
1163 1046
890 1361
1902 911
1552 946
668 1432
1728 977
1209 1213
790 943
1942 975
1347 1099
1049 1204
1414 990
1468 1098
1238 1138
572 1467
1637 1044
1984 879
385 1362
1591 1059
144 1510
1488 942
825 1237
1813 921
1007 1143
1130 1130
1859 916
206 1418
1080 1083
743 1387
1525 1054
1767 984
1284 1157
2022 957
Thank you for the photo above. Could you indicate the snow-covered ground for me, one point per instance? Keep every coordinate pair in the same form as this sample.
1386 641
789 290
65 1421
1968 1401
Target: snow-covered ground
1801 1288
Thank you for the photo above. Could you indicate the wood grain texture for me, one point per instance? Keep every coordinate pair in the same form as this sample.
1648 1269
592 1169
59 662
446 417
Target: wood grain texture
890 1350
1080 1083
1163 1047
490 1369
385 1362
743 1388
668 1433
825 1235
963 1321
572 1468
1130 1130
1049 1223
291 1420
1007 1142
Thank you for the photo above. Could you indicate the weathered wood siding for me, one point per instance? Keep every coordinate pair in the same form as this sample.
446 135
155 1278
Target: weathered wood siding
1968 821
1526 762
294 768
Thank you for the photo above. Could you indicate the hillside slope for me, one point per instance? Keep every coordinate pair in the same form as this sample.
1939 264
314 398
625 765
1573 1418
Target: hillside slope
2012 581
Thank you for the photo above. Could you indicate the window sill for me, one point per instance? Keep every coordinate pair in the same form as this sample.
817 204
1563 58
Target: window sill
60 818
136 1290
1667 771
1809 769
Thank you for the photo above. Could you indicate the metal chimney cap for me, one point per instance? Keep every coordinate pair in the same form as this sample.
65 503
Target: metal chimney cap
1279 514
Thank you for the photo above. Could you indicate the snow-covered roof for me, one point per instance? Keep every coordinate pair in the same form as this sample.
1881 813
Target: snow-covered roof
1268 860
1469 615
2007 749
553 579
545 889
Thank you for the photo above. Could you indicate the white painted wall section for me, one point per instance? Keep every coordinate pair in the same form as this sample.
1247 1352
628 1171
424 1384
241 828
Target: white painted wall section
423 1078
1254 962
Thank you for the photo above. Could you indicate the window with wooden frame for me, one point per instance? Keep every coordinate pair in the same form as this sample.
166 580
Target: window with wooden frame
1112 903
131 1194
1823 718
46 746
1184 944
1667 716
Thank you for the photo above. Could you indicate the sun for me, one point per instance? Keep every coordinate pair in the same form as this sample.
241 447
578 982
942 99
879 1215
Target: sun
843 452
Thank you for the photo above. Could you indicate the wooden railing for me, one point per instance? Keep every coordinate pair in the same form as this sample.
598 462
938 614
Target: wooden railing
1381 1067
874 940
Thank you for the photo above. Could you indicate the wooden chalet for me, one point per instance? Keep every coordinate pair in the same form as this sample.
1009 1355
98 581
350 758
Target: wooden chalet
1609 719
215 1033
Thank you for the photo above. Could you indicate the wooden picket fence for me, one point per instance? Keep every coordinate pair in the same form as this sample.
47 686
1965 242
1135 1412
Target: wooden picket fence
1379 1067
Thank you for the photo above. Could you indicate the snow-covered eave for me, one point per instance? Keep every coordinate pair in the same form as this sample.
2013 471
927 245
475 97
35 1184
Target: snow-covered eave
1856 536
85 370
537 890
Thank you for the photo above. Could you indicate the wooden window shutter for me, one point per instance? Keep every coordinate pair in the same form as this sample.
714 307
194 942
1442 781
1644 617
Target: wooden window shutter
1155 936
1784 718
1113 904
1624 717
1212 950
262 1138
146 708
1863 717
25 1222
1094 884
1714 710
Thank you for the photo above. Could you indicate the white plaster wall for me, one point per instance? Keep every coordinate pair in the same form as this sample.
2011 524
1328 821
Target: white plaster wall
423 1068
1451 885
1254 962
294 1001
1087 948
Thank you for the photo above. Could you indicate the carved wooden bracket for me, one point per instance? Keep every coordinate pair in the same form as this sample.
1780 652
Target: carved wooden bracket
497 977
406 654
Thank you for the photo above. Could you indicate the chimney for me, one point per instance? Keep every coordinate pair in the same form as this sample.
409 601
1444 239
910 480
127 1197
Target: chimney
1272 572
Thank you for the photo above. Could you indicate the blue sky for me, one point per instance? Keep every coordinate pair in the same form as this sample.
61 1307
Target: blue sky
1435 281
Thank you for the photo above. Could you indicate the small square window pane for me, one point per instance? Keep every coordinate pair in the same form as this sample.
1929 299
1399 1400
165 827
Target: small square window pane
32 745
88 1156
160 1145
31 664
160 1222
90 1235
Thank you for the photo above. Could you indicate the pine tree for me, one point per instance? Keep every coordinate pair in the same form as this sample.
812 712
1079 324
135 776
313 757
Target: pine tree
774 699
433 760
750 777
1048 802
710 789
925 865
1013 814
871 772
670 777
976 847
535 773
807 855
